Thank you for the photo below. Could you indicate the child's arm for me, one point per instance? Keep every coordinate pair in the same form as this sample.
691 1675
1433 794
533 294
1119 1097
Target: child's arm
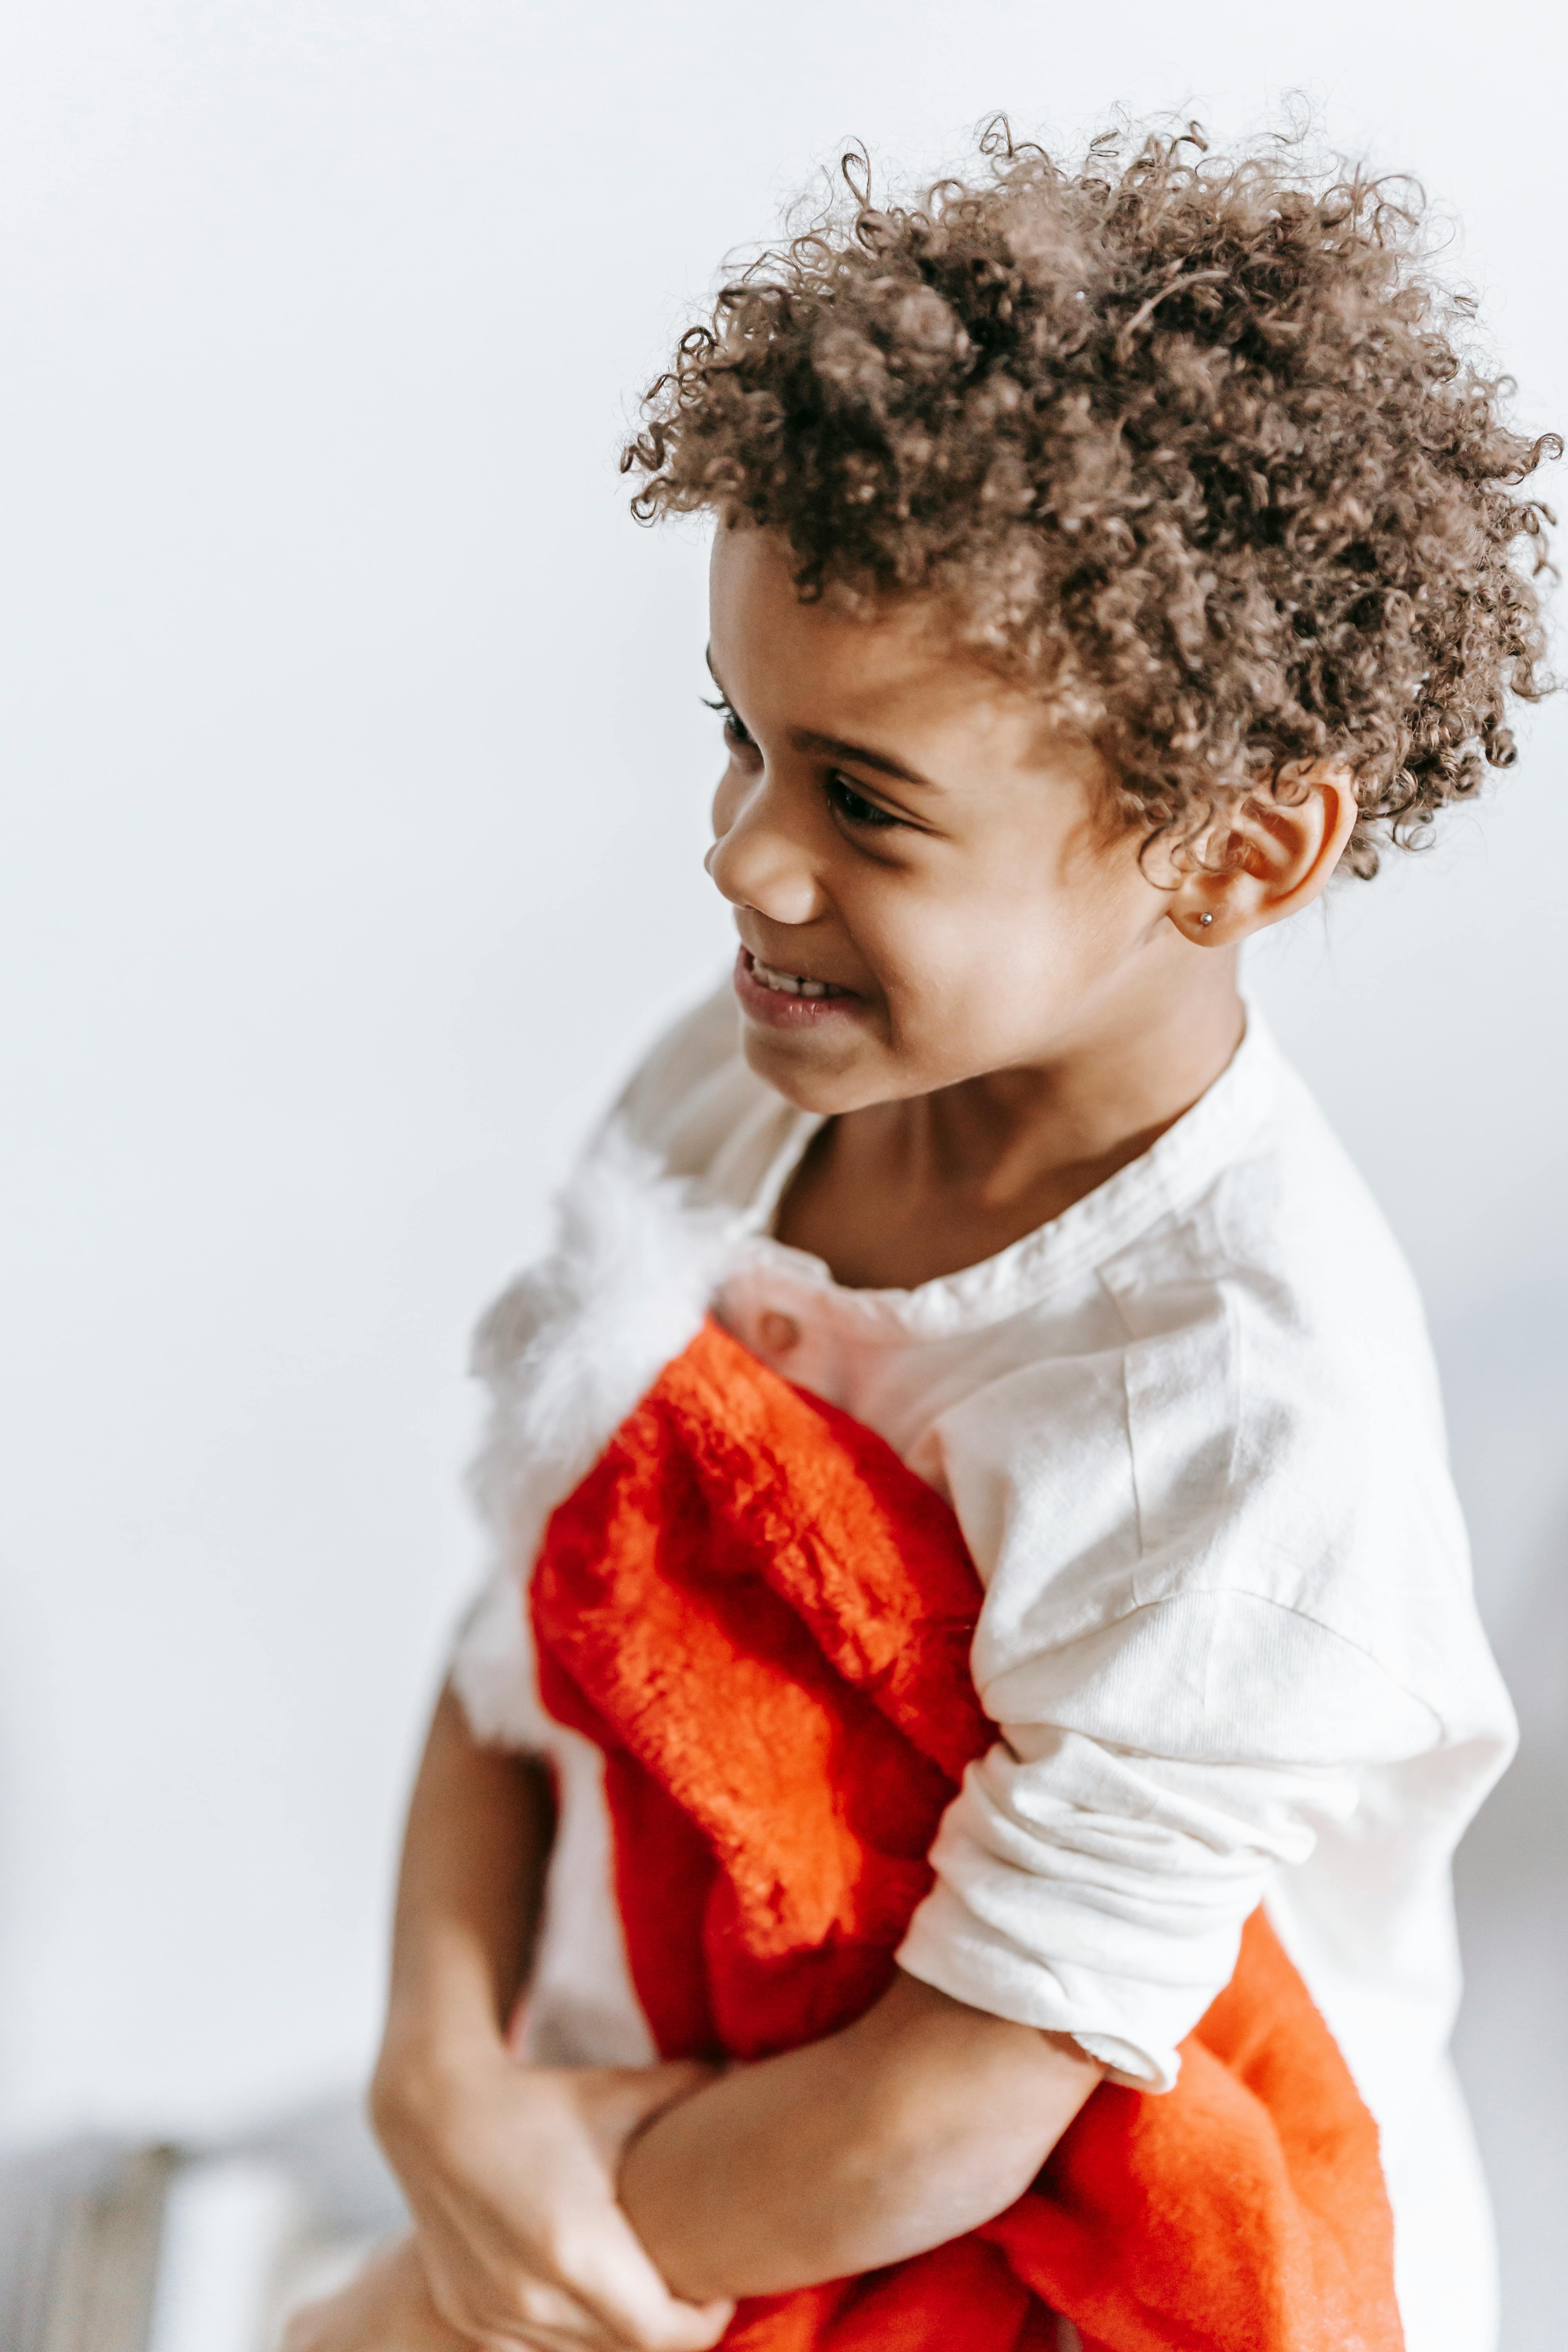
908 2128
469 1891
917 2122
510 2170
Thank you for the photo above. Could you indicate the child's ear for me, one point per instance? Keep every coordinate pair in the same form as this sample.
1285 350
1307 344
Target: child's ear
1267 858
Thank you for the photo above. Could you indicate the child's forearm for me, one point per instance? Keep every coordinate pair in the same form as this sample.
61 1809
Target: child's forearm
509 2167
917 2124
477 1842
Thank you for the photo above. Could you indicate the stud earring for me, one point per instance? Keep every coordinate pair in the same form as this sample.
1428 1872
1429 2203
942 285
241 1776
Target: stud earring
1203 922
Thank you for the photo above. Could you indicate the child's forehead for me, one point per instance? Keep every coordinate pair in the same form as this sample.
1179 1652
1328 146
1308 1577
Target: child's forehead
892 677
860 650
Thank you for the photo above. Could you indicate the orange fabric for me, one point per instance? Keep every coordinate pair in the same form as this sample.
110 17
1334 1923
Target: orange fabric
763 1618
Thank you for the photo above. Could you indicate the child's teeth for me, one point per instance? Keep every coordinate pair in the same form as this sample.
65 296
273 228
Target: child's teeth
788 983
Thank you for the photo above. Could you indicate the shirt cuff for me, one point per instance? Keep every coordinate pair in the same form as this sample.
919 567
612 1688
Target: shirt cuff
1101 1893
943 1949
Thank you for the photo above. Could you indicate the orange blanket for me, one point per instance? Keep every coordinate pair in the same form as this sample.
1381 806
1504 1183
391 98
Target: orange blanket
762 1619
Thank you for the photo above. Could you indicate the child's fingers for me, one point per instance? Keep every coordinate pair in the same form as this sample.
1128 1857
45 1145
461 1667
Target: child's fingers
612 2300
618 2102
528 2311
615 2280
630 2096
549 2319
572 2312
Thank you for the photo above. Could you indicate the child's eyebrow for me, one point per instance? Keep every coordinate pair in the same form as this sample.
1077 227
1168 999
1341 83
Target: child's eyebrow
831 747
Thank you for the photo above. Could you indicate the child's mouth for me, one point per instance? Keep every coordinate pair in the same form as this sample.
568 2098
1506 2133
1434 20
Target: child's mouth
786 999
789 984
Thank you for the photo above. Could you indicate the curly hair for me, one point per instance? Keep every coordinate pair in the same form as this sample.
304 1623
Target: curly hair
1195 446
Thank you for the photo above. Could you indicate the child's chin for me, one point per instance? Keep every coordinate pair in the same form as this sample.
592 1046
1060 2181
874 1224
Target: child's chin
811 1075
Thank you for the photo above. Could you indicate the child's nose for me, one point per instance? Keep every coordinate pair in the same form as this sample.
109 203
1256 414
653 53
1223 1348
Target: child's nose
757 863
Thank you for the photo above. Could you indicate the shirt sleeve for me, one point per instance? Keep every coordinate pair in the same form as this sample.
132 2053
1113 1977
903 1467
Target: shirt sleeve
1168 1737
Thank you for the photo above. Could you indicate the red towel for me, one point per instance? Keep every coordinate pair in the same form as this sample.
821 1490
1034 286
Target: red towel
763 1618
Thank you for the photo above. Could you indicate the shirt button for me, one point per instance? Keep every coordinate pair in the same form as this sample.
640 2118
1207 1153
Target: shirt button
778 1333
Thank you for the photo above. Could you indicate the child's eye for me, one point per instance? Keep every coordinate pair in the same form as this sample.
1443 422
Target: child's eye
853 806
734 728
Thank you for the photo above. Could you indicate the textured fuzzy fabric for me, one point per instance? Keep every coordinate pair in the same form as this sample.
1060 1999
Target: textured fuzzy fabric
763 1618
566 1352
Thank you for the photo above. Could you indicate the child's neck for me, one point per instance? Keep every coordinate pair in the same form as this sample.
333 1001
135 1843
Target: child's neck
903 1192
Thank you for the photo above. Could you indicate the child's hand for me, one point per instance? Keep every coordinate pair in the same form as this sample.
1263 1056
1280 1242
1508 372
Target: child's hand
511 2170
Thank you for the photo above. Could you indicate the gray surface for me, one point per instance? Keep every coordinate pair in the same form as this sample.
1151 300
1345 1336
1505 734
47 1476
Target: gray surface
87 2263
80 2230
1505 1372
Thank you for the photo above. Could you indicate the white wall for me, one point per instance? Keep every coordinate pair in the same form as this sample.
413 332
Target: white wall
355 793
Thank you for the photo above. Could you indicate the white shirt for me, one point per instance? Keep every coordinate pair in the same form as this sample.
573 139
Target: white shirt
1192 1433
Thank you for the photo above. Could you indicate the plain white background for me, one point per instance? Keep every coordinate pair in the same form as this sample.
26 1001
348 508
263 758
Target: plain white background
355 783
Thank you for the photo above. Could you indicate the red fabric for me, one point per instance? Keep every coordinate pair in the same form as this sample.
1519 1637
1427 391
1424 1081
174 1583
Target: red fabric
763 1619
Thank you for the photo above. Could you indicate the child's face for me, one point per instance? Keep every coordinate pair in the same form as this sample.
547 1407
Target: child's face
897 822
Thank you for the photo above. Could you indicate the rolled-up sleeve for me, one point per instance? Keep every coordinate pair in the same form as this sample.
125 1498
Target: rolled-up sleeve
1152 1770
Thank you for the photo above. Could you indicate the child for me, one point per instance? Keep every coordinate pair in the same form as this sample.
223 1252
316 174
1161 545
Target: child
1103 559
